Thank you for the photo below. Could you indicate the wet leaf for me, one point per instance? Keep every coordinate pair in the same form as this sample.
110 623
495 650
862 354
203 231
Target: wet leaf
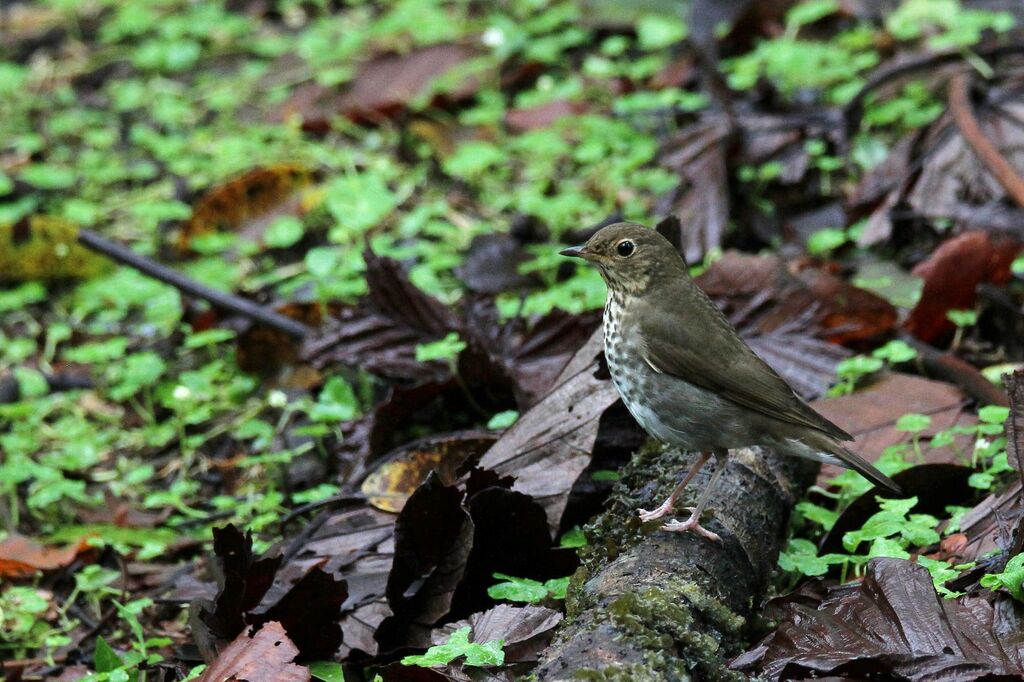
491 265
385 86
893 625
871 414
433 539
701 201
525 630
458 644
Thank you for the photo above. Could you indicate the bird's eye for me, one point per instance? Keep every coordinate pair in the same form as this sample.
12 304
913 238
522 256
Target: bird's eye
625 248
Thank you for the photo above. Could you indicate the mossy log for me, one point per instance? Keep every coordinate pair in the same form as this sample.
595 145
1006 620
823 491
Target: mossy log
651 605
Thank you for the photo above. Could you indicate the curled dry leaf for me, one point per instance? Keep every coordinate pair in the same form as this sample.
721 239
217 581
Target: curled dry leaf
20 556
891 625
266 656
306 601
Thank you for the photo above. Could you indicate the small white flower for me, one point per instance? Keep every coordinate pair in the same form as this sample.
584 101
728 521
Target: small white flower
493 37
981 444
182 392
277 399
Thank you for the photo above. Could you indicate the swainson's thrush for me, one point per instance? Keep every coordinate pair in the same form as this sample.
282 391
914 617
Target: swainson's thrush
686 375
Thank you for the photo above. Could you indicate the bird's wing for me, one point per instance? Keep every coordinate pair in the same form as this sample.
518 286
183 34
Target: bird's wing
705 351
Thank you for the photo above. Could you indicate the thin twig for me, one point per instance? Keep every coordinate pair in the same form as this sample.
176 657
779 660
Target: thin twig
218 299
963 114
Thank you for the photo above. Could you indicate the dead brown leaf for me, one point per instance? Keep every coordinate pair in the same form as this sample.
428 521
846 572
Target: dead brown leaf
541 116
951 275
21 556
381 334
384 87
892 625
547 449
870 416
701 201
265 656
389 486
244 198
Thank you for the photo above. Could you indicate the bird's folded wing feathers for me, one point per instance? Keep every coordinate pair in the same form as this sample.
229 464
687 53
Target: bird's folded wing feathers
714 357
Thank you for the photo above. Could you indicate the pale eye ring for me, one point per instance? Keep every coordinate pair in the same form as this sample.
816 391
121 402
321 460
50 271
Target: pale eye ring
625 248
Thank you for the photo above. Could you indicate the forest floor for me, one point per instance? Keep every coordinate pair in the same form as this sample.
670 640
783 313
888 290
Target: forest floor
382 466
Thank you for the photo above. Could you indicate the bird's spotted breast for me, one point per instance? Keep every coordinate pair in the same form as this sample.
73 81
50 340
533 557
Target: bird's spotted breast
668 408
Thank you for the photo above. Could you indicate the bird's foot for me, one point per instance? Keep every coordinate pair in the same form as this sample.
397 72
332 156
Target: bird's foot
662 511
691 524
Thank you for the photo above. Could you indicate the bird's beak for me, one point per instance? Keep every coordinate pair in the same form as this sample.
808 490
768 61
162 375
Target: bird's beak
575 252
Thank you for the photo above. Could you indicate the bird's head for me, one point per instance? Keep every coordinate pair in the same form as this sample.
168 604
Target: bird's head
630 257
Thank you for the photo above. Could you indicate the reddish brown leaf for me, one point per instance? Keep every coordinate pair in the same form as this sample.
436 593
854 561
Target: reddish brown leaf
262 349
952 273
266 656
20 556
383 87
744 285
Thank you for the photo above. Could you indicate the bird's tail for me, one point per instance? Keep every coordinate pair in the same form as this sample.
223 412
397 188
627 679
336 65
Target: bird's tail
825 449
852 460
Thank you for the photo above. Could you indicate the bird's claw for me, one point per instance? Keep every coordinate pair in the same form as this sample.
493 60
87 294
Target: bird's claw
665 509
691 524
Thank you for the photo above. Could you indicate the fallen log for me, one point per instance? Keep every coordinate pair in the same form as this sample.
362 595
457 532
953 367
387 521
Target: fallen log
651 605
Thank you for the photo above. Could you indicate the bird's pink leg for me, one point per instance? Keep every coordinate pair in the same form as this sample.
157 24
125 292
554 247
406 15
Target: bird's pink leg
669 505
693 523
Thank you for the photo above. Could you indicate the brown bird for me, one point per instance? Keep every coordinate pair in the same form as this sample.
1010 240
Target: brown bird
686 375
